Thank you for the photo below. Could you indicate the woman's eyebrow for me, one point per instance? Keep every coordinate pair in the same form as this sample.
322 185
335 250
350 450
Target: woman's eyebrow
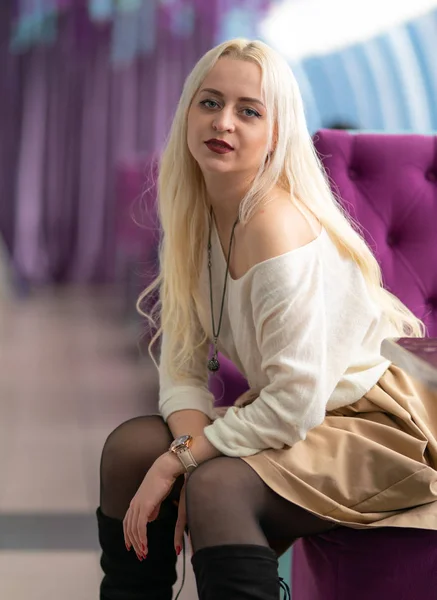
242 99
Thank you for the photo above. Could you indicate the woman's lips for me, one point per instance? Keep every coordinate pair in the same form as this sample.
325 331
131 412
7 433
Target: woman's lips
218 146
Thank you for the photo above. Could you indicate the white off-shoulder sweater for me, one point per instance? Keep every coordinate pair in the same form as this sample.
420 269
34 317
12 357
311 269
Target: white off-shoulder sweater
304 331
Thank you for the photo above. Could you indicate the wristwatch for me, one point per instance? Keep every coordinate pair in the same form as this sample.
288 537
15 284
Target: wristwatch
181 447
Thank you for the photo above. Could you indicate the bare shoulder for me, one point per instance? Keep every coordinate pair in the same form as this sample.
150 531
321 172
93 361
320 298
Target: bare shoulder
276 229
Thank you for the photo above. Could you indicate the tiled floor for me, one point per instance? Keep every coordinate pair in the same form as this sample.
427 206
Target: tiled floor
69 374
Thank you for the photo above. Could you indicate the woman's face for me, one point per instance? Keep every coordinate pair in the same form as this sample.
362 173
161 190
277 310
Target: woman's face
227 120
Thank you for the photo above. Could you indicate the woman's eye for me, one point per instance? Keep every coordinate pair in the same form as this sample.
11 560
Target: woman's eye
250 112
209 103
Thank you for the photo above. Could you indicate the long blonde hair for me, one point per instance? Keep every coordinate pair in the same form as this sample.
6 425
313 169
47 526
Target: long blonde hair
293 165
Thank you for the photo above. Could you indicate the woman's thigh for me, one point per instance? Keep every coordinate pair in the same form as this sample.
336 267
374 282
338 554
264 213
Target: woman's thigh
229 503
284 522
129 452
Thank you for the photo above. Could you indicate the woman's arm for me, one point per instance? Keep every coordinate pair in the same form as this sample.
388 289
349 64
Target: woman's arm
193 422
188 422
187 405
189 395
202 450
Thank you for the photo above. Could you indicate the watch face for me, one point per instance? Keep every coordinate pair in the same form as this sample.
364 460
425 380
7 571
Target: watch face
181 442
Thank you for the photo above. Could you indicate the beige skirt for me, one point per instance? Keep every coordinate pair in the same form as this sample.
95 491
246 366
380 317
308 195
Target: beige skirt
370 464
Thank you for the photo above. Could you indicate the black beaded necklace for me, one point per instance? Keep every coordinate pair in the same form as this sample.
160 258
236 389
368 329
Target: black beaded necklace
213 363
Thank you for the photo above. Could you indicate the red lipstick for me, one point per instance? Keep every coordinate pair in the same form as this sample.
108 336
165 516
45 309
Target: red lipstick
218 146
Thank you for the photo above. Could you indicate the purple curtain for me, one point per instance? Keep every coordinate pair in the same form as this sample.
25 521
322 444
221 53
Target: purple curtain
67 117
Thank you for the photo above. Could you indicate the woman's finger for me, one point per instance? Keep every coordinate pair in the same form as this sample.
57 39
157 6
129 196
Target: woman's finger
141 526
127 524
181 523
132 528
179 533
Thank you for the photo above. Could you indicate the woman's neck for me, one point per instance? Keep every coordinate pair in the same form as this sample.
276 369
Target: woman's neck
225 195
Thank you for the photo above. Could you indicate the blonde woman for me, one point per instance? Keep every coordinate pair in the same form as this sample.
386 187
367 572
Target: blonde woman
259 262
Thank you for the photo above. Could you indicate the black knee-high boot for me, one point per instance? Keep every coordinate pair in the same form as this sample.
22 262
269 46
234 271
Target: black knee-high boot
237 572
126 578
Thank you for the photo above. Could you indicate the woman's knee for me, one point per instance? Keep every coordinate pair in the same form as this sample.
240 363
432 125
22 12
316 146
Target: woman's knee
216 482
127 455
136 443
222 505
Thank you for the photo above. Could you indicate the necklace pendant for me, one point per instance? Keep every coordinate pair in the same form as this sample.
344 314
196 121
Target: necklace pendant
213 364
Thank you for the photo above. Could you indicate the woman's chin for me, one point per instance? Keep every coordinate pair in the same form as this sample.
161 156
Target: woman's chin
213 165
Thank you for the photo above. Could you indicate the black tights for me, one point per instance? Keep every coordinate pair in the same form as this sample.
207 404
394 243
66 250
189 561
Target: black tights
227 502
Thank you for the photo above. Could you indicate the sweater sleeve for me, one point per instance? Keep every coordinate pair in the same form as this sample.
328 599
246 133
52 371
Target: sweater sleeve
306 340
190 391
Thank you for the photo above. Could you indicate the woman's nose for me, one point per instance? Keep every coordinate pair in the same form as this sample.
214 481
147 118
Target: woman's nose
224 121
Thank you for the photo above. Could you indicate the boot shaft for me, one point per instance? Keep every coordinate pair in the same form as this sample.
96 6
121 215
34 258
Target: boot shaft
237 572
125 577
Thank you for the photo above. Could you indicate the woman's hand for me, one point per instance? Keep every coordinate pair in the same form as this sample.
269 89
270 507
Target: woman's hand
145 505
155 488
181 523
247 398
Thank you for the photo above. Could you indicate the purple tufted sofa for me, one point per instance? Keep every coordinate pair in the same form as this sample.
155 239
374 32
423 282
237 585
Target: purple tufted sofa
388 183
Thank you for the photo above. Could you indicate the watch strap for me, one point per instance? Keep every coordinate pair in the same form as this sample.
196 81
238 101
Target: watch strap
187 459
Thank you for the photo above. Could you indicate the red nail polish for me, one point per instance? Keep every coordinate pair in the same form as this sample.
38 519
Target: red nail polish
127 547
178 550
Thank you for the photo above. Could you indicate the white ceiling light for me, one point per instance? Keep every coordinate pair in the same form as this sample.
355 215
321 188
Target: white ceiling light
299 28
